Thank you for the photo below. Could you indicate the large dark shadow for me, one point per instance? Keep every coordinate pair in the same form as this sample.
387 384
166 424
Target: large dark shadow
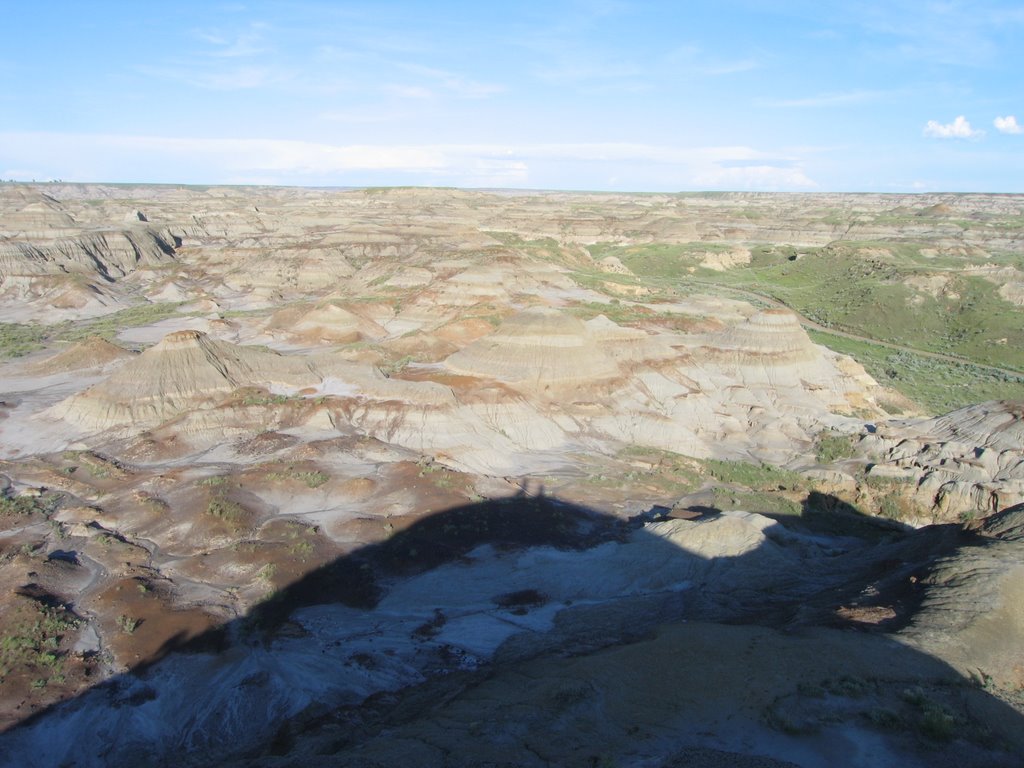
232 692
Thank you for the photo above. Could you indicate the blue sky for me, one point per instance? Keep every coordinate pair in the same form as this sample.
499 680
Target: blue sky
886 96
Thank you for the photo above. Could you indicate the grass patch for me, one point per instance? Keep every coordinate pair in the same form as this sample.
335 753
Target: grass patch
213 481
223 508
758 477
265 398
657 260
26 505
311 478
19 506
630 314
31 641
17 340
672 474
108 326
939 386
762 502
831 447
859 288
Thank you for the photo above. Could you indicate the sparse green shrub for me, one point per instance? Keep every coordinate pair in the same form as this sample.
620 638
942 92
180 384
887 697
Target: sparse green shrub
758 477
763 502
224 509
267 572
885 719
17 339
301 548
213 480
890 506
313 479
127 624
33 635
833 447
19 505
396 366
936 723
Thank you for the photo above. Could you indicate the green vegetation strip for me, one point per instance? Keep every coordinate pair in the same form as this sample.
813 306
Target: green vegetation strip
937 385
17 339
860 288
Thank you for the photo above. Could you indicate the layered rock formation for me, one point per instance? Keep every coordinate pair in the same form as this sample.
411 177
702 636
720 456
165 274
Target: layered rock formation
188 369
329 324
539 350
94 352
965 464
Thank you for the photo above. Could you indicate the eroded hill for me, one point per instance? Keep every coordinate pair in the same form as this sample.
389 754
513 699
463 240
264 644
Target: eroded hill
319 445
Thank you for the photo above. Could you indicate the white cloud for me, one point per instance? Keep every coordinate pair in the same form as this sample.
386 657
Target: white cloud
241 44
84 157
759 177
1007 124
958 129
828 99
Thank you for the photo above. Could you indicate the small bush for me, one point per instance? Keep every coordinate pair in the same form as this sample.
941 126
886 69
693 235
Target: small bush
127 624
833 447
937 724
225 509
758 477
312 479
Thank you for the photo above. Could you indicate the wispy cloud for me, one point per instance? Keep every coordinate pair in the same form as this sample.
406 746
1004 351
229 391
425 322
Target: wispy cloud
586 72
1007 124
409 91
289 162
960 128
732 67
233 78
232 45
692 58
362 115
949 32
837 99
454 83
756 177
233 60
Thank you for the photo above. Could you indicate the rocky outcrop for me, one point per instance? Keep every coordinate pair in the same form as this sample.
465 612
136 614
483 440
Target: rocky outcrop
972 611
109 255
963 465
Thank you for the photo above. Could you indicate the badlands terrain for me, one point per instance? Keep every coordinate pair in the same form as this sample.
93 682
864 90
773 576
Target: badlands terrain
425 477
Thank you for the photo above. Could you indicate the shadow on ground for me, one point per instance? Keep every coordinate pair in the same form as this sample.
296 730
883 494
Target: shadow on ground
529 631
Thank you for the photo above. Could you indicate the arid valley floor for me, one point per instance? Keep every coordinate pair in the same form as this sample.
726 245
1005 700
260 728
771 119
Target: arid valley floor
430 477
